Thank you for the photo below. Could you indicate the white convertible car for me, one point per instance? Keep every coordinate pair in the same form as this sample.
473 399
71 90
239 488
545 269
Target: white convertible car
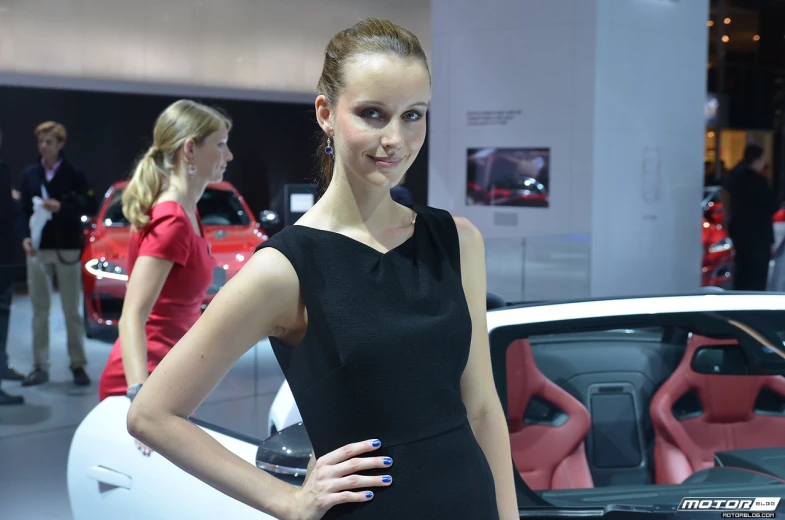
634 402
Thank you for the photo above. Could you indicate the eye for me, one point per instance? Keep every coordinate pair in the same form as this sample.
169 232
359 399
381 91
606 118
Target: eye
412 116
371 113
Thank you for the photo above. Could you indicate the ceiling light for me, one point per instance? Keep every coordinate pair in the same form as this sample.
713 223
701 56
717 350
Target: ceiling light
710 23
726 38
727 21
756 37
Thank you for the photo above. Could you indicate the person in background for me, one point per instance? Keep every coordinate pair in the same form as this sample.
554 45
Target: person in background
10 221
67 195
169 262
749 203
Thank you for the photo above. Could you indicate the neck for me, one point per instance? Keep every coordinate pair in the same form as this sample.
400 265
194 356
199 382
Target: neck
187 190
51 163
365 207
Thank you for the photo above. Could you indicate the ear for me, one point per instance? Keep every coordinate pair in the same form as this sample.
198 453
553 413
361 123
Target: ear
188 149
324 115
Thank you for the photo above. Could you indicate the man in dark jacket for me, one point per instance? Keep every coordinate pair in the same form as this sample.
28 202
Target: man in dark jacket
10 219
749 203
67 196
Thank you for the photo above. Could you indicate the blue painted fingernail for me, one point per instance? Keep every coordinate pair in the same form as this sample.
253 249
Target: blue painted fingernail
369 495
387 461
376 443
387 479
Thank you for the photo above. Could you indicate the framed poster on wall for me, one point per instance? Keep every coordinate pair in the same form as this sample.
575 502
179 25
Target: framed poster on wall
510 177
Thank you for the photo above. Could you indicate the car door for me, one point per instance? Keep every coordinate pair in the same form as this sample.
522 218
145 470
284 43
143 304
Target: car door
108 477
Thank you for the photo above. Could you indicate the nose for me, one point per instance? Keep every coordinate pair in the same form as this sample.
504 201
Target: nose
392 139
229 154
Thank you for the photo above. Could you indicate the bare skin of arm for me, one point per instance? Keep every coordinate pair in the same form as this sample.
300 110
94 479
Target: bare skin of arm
477 385
144 287
261 300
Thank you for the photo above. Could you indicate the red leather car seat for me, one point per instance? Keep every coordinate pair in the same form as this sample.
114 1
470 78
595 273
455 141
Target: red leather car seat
547 457
728 420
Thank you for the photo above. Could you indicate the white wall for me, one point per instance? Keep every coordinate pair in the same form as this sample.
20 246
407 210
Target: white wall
649 93
536 57
597 81
253 46
525 55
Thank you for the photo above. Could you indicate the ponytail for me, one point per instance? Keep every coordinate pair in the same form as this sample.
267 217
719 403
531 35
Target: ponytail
145 186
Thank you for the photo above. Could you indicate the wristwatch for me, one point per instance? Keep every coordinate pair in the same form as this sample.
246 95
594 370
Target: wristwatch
132 391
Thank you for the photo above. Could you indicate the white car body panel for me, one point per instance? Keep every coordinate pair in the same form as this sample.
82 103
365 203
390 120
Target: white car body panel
281 412
108 477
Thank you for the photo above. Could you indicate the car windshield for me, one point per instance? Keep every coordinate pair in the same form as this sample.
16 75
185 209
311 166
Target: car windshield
710 195
645 410
216 207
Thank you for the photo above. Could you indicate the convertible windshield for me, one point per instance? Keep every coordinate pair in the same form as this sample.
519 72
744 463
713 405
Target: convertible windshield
646 410
216 207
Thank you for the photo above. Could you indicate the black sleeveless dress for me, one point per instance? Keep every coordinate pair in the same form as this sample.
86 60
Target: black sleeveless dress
387 341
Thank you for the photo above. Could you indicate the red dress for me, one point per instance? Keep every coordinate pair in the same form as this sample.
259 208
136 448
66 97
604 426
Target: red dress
168 235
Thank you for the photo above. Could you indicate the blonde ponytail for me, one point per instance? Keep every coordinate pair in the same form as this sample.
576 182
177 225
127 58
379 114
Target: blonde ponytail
143 189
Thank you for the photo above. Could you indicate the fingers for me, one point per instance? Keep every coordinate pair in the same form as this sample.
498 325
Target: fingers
347 452
347 496
353 482
146 450
359 464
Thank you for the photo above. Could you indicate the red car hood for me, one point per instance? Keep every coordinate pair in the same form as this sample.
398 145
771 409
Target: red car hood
226 242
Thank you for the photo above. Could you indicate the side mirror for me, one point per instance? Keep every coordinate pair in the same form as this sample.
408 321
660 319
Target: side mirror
285 454
269 220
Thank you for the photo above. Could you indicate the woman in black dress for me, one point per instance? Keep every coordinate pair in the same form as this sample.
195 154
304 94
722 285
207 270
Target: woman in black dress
376 313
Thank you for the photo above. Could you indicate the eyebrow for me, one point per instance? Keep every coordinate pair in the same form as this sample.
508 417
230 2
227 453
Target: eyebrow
372 102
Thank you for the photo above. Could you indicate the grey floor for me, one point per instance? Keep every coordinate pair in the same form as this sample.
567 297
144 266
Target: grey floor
35 438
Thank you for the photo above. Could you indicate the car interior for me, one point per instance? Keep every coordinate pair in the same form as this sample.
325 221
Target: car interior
600 416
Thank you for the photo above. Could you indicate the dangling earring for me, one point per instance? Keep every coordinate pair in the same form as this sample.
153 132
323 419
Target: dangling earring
328 149
191 169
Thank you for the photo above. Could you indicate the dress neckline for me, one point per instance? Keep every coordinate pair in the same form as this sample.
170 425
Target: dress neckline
363 244
201 233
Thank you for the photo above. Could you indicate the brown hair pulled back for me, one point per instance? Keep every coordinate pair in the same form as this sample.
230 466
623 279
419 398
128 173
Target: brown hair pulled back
370 36
182 120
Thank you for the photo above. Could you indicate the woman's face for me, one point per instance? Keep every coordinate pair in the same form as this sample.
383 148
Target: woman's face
379 119
212 156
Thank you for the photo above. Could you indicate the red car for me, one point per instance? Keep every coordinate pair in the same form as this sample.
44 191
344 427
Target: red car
717 263
230 227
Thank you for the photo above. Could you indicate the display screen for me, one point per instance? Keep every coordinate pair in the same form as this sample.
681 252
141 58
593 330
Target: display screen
508 177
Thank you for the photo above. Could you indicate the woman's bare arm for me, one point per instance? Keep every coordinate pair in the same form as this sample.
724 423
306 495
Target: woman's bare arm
263 299
477 385
260 300
144 286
